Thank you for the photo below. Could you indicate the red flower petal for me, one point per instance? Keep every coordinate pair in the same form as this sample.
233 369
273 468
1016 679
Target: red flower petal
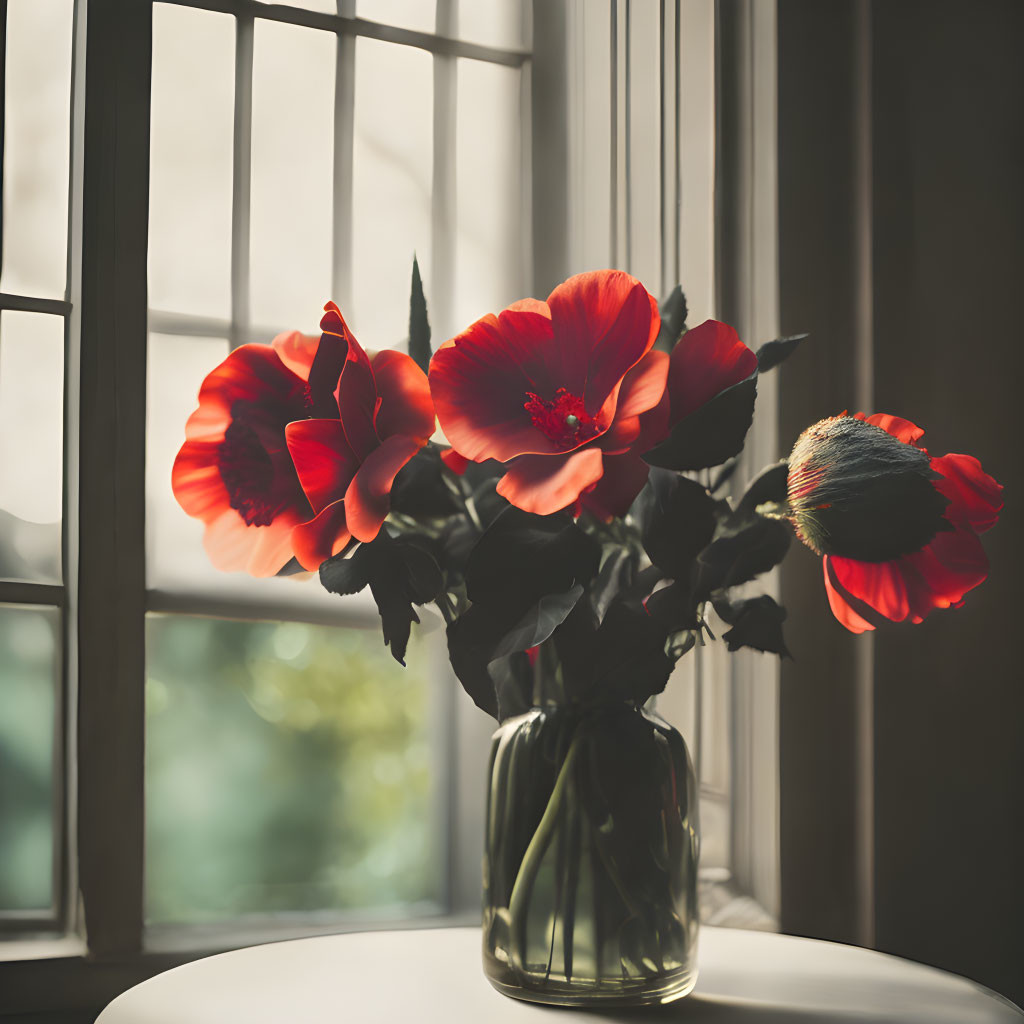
228 541
623 479
973 495
543 484
356 391
368 498
644 385
879 585
457 463
480 382
621 435
604 322
323 460
296 351
940 575
405 405
320 538
196 480
901 429
252 374
910 586
707 360
841 609
273 547
259 550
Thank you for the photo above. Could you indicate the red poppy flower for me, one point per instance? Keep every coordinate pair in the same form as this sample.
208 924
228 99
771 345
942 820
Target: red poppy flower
233 471
346 461
898 529
707 360
556 390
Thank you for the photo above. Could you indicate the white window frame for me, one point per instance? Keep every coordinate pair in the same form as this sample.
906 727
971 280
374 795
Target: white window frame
95 944
99 946
689 198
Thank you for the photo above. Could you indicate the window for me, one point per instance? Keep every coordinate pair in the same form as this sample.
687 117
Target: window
320 146
648 193
36 77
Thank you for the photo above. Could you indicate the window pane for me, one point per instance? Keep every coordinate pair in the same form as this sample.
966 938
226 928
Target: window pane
489 240
392 154
37 132
492 22
31 445
322 6
288 767
29 650
292 174
416 14
191 161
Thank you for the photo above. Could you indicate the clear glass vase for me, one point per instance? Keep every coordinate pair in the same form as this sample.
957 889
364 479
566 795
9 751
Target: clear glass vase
590 865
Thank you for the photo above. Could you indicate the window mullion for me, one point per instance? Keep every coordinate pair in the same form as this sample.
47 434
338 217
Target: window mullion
107 388
344 125
241 188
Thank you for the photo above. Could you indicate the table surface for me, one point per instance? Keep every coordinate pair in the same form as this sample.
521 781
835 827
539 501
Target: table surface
434 976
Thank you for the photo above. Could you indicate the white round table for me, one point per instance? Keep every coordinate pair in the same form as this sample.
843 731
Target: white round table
433 976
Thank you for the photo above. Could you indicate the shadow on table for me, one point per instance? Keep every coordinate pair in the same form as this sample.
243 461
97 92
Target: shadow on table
697 1009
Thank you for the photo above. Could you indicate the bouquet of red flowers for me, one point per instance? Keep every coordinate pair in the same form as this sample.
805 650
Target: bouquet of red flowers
573 531
578 513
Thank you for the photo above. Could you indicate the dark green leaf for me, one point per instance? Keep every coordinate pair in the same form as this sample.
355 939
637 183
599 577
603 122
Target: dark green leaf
772 353
674 607
346 575
711 434
399 573
756 622
679 523
724 475
769 486
539 622
469 658
501 686
756 546
673 320
419 325
420 490
617 572
522 557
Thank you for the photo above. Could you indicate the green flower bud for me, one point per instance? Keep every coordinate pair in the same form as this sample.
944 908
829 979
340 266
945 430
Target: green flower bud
856 491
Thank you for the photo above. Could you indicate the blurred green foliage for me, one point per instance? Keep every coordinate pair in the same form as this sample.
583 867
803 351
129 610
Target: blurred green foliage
289 767
29 654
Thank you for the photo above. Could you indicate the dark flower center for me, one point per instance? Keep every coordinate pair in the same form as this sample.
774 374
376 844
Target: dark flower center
855 490
564 420
248 474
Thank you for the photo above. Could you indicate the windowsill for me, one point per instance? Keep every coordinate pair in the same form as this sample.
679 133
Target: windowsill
44 948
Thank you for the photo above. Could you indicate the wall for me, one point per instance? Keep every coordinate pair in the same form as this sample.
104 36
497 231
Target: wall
947 220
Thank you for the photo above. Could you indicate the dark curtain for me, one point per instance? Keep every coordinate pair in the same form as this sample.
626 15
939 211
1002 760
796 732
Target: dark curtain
947 220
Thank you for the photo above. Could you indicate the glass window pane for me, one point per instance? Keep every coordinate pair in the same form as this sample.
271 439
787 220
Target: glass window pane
322 6
29 653
492 22
415 14
292 174
392 171
288 767
31 445
191 161
37 132
489 239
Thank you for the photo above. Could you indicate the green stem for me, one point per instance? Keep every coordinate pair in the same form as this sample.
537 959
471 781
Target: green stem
530 864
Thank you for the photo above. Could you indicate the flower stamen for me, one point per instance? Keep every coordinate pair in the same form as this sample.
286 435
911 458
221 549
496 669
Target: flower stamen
564 420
